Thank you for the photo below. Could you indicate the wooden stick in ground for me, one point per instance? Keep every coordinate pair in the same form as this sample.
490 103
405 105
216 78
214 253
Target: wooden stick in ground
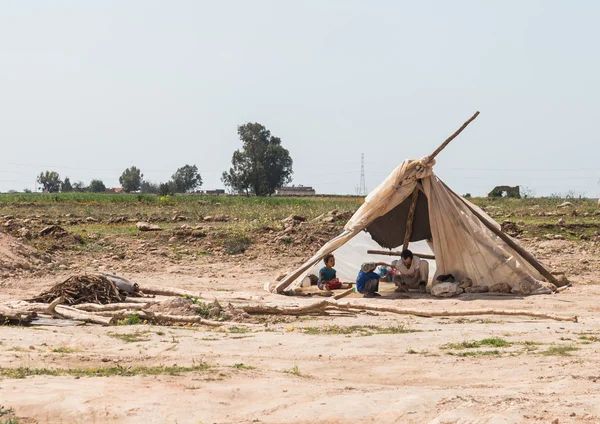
508 240
396 253
72 313
410 218
453 136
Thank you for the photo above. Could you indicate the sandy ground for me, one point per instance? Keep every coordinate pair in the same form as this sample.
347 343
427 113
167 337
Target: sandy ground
291 376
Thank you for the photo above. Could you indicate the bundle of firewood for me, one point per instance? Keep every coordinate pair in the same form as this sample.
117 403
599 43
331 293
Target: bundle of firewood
83 289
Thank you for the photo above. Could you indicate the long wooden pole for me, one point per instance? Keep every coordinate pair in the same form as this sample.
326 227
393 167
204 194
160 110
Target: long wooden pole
453 136
411 217
524 253
396 253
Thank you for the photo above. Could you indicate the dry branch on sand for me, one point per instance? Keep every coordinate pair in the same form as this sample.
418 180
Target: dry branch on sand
82 287
356 307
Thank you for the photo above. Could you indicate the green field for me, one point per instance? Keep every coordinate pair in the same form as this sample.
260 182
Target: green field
539 216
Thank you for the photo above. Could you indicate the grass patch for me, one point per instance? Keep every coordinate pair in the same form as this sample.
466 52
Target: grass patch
295 371
559 350
241 366
23 372
136 336
492 342
531 346
5 411
238 330
204 309
235 245
133 319
590 338
475 321
471 353
361 330
64 349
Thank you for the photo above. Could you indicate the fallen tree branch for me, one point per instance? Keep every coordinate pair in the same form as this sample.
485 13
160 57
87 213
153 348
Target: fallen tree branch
93 307
355 307
344 294
146 300
27 307
162 318
72 313
159 318
13 316
168 291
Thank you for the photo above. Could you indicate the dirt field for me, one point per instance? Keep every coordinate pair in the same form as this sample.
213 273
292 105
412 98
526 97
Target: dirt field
341 368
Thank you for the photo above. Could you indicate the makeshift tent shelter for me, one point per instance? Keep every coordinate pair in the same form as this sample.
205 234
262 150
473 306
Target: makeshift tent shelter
413 204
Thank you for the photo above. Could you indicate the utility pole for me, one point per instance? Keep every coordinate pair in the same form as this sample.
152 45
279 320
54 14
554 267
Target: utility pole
362 189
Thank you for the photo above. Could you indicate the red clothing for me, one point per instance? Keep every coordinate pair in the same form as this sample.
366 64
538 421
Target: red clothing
333 284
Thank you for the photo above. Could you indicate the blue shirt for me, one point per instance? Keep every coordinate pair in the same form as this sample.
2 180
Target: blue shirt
325 276
363 277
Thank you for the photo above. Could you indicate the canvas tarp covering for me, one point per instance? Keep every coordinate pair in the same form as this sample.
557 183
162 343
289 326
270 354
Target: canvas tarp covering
462 245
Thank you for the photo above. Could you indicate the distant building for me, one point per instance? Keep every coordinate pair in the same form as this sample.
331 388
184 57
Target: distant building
114 190
216 192
295 191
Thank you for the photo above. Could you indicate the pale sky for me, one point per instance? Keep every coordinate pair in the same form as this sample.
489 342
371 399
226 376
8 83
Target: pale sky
88 88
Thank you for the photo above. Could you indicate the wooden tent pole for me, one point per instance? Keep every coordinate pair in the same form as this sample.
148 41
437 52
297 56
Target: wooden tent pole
524 253
396 253
410 219
453 136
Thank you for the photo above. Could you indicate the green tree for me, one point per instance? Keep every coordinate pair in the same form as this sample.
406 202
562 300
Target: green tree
186 179
166 188
97 186
79 186
131 179
148 188
66 186
262 165
50 180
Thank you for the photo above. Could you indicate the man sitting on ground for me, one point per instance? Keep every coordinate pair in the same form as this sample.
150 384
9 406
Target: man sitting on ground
412 272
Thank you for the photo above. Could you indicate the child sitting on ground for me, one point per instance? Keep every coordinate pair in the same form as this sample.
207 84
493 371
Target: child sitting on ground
327 275
367 281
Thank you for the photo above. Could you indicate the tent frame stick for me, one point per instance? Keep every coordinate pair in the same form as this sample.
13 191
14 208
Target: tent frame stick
396 253
524 254
452 137
410 219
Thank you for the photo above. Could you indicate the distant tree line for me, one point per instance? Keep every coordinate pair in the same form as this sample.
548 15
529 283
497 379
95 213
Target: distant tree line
260 167
184 180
